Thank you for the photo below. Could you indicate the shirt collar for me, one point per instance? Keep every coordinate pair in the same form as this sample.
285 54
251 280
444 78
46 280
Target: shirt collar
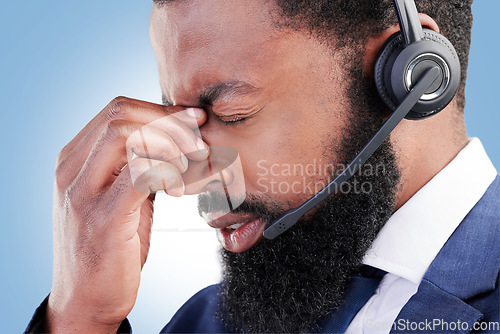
416 232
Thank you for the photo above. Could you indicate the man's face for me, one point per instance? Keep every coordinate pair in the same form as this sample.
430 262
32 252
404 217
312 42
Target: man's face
308 110
283 106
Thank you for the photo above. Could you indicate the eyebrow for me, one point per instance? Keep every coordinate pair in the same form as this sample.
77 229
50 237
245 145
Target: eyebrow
219 92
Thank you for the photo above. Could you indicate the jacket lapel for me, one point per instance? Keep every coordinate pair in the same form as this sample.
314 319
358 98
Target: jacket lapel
467 266
433 310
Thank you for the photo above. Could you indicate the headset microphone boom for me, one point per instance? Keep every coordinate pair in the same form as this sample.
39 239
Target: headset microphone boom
417 75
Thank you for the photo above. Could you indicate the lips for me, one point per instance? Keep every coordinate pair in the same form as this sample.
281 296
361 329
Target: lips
237 233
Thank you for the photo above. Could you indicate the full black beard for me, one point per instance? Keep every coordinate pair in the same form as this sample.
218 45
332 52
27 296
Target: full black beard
285 285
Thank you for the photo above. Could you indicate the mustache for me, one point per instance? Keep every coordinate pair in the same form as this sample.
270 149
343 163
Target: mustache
267 209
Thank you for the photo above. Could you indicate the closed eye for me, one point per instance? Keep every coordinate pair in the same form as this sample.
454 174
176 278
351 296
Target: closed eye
238 119
231 121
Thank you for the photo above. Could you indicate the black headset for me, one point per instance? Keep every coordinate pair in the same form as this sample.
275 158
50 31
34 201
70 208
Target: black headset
417 74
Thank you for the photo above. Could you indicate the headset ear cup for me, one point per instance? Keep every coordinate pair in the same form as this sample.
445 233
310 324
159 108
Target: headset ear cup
383 69
396 72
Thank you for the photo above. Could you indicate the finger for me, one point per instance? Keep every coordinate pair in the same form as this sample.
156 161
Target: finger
150 176
145 224
135 111
149 142
125 199
73 156
138 180
192 117
190 144
122 139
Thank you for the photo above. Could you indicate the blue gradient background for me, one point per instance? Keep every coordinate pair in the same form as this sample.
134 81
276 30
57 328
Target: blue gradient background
61 62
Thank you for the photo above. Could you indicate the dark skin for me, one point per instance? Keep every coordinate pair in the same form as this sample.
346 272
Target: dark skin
287 91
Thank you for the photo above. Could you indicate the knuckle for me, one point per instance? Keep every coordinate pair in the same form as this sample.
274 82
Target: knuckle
114 129
61 171
117 108
74 195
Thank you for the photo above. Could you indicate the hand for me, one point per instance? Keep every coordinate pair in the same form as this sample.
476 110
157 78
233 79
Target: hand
103 207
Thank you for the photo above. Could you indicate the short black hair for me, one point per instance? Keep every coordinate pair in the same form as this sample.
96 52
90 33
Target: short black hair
346 23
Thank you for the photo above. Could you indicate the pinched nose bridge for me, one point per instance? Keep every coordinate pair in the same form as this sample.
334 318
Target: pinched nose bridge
221 172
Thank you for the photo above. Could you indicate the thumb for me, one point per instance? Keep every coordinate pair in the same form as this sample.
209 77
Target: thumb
128 199
145 224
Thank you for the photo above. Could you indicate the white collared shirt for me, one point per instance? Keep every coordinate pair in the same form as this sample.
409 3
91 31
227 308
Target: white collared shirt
416 232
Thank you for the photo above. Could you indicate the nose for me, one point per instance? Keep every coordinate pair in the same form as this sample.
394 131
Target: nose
201 174
221 172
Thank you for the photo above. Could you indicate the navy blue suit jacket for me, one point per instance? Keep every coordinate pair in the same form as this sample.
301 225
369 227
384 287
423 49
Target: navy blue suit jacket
460 287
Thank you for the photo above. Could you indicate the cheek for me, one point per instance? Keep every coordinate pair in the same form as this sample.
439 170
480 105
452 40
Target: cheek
287 152
290 161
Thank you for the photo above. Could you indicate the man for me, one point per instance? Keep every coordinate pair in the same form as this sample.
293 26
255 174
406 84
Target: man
286 83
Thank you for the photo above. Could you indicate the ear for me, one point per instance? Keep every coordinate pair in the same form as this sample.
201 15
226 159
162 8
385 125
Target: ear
374 43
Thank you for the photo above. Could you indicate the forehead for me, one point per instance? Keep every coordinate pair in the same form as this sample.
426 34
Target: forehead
201 42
